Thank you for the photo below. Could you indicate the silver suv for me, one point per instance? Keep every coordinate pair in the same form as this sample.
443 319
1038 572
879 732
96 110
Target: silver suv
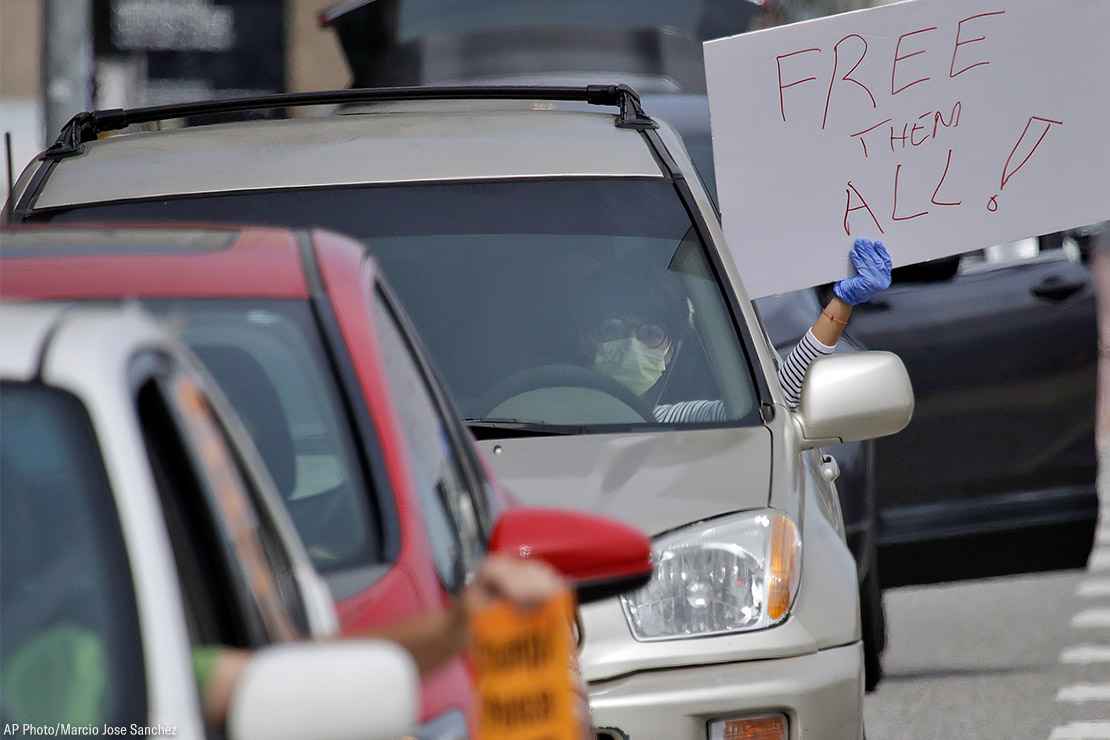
528 230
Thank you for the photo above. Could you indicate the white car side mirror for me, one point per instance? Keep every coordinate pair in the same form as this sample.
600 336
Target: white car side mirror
852 397
352 690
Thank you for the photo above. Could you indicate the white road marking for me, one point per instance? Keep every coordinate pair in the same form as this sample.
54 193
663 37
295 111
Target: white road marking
1092 618
1094 587
1085 654
1083 692
1100 559
1081 731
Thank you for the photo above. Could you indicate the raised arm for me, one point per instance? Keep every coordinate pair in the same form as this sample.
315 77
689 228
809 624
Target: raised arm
872 264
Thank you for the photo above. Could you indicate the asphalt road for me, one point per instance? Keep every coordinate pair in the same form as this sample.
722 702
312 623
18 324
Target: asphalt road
1025 657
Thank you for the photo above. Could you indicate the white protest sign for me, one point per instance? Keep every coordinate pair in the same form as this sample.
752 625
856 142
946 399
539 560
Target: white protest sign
938 126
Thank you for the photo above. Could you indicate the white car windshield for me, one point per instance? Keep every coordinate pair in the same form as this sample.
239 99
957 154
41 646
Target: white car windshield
70 647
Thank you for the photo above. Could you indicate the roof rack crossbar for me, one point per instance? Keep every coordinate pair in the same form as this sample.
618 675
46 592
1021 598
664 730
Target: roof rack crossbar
86 126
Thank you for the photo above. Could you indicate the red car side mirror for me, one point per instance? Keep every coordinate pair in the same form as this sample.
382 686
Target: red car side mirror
601 557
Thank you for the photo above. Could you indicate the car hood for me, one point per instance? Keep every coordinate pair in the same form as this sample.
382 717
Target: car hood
655 481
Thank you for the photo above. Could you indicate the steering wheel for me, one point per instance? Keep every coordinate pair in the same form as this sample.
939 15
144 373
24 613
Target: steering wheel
556 376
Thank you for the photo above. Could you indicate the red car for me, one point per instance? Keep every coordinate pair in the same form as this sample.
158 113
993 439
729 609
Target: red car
380 477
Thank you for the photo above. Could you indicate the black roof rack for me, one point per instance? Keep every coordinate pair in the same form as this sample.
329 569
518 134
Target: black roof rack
87 126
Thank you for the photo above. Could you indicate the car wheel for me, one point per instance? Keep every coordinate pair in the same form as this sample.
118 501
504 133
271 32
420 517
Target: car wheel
873 619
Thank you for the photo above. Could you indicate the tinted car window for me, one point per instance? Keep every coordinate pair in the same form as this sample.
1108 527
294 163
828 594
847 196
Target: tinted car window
420 17
268 359
514 286
69 634
437 471
700 19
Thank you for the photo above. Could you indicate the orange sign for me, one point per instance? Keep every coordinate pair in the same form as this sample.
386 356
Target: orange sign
522 662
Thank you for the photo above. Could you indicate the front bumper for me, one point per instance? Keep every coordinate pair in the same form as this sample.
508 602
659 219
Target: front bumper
821 694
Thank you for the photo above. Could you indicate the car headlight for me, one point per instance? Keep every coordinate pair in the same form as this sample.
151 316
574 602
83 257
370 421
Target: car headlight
732 574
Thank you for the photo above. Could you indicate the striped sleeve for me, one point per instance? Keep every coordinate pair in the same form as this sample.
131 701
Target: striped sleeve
791 375
691 412
793 370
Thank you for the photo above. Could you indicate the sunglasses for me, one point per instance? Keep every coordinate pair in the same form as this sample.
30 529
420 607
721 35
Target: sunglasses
651 334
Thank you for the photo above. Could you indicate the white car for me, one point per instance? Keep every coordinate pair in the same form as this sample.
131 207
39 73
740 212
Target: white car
138 527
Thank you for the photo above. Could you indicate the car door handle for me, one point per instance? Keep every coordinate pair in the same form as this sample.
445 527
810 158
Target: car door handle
1056 288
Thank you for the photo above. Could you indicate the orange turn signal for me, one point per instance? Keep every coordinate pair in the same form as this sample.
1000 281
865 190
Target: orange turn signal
784 568
764 727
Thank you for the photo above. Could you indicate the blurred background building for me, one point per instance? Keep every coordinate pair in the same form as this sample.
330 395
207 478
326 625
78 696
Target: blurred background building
150 52
20 82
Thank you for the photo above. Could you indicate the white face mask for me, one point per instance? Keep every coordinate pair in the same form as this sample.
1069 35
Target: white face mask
631 363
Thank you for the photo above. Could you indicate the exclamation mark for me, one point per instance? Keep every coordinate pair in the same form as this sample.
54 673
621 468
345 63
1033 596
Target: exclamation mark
1008 169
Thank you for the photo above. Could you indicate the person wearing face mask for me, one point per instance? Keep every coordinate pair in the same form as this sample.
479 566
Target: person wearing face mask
633 351
636 347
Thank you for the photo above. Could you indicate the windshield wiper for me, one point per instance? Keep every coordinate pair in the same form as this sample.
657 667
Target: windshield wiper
501 428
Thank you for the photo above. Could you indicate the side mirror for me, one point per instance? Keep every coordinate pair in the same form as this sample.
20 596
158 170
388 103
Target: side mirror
352 690
852 397
601 557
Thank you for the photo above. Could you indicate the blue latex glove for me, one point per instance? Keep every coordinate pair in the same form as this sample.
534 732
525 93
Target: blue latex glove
872 263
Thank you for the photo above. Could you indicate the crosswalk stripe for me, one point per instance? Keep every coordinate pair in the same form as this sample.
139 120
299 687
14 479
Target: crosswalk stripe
1084 692
1081 731
1084 654
1092 618
1094 587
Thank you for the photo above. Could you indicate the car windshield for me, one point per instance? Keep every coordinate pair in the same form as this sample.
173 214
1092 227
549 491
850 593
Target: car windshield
585 303
69 633
268 359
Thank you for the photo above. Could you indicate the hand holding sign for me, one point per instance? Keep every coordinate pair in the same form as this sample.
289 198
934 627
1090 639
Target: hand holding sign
525 584
523 664
942 127
872 264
